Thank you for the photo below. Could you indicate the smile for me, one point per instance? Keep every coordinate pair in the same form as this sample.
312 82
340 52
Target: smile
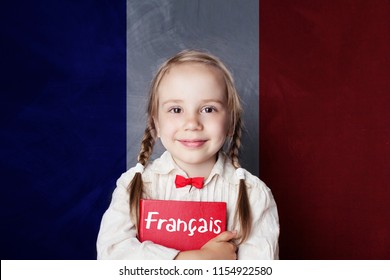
192 143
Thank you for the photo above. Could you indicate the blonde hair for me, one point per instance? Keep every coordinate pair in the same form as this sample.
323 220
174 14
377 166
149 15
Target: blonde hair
243 211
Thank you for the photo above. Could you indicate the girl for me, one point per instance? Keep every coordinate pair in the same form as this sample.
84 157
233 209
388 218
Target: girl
195 110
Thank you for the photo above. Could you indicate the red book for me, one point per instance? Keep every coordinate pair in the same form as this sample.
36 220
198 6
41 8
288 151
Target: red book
182 225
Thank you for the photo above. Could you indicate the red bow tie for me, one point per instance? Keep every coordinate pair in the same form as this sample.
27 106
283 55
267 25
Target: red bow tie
181 181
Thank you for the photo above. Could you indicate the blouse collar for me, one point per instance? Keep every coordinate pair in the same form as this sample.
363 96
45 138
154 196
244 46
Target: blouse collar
165 165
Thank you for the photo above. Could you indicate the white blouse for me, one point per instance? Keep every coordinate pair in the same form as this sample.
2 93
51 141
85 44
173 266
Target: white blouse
117 238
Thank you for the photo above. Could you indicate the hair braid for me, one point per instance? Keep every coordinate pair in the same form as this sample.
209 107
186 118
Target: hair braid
243 212
147 142
235 144
136 185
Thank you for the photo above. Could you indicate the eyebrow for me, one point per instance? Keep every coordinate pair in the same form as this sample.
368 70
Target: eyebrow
172 101
203 101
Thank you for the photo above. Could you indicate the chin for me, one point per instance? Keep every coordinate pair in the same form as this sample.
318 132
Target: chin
201 159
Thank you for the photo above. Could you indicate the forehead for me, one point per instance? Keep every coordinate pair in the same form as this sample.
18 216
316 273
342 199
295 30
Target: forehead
188 75
194 67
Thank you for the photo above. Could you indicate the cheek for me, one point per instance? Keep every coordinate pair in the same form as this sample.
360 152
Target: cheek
220 128
163 124
166 128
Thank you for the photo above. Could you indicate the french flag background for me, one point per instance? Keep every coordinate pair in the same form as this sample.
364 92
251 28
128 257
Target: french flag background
324 124
63 124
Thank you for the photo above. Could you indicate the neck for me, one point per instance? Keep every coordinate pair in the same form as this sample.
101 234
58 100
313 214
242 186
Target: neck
197 170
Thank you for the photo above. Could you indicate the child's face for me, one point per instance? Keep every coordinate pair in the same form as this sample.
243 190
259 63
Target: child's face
192 118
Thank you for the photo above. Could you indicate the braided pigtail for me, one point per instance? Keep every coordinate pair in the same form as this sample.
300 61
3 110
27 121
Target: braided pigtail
136 186
243 212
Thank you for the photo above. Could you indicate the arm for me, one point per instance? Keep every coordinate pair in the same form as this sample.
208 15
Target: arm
218 248
117 237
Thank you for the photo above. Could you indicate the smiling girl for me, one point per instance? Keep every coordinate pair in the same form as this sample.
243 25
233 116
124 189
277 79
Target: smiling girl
194 109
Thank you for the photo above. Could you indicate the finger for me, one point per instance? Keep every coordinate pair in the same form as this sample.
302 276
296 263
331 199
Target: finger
226 236
234 246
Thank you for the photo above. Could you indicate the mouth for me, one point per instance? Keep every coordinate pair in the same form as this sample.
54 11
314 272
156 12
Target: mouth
192 143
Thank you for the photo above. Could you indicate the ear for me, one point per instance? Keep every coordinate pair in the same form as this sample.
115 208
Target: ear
230 131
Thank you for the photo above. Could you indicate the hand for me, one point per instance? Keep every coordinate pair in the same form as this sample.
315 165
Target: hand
220 247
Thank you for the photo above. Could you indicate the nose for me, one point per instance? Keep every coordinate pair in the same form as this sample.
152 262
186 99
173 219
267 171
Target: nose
192 122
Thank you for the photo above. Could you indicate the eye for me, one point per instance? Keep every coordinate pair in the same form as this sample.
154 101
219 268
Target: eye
208 109
175 110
